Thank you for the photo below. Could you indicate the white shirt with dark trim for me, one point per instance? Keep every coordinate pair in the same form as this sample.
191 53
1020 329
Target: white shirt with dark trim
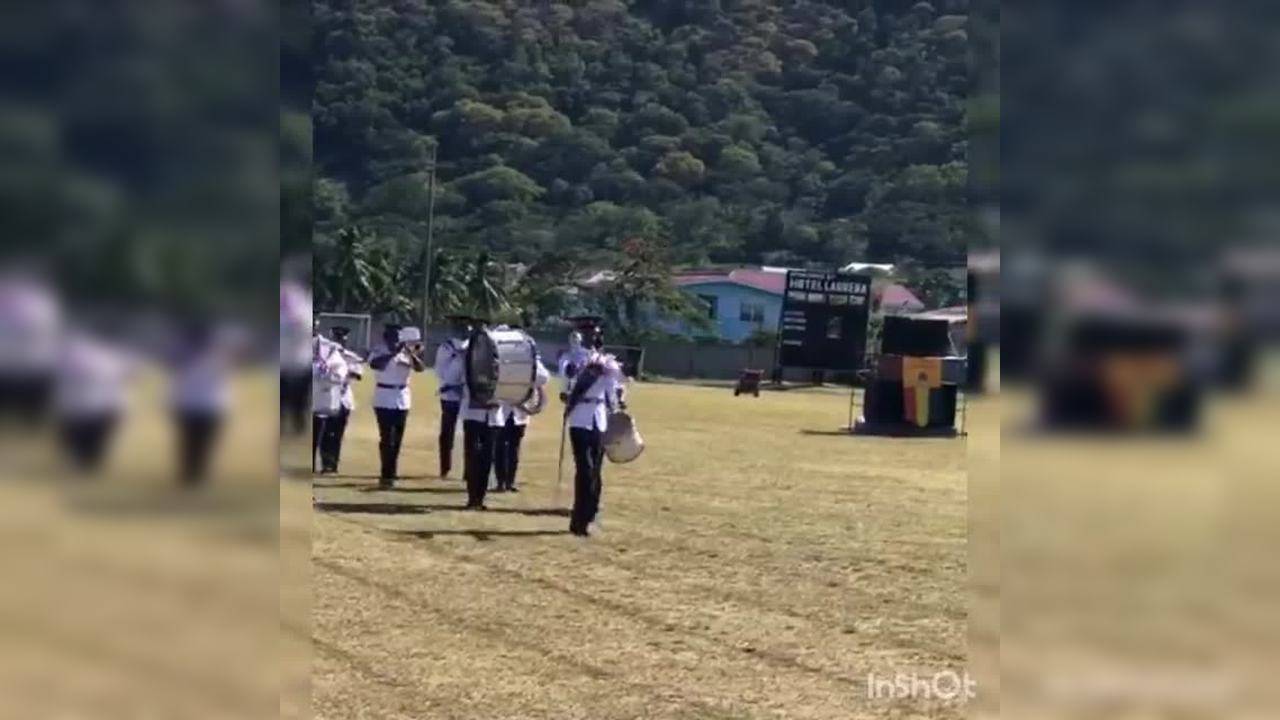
328 373
451 369
395 377
593 411
355 372
93 378
575 358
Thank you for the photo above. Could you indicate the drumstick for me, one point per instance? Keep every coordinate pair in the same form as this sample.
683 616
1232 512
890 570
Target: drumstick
555 498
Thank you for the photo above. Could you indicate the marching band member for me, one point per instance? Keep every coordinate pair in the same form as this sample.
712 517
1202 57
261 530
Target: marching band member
595 387
510 435
336 425
90 397
201 396
295 355
450 368
393 361
328 374
31 321
479 431
576 356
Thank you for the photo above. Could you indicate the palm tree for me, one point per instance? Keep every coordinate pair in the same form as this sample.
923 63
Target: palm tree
388 280
447 291
350 279
545 289
487 285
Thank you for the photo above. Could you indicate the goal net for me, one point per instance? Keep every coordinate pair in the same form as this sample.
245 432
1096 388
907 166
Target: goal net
360 324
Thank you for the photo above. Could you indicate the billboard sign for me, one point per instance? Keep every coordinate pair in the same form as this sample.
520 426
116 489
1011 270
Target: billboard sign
824 320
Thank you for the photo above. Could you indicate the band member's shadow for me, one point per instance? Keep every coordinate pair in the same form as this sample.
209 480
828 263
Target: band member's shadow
422 509
371 487
429 490
375 478
372 508
481 535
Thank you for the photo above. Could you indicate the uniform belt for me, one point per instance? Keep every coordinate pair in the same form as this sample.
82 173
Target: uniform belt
388 386
450 388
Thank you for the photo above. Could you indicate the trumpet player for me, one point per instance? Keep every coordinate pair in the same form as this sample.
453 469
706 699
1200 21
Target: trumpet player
450 369
394 360
328 373
335 425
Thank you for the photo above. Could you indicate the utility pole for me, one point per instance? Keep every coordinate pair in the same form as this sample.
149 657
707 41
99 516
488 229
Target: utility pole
429 256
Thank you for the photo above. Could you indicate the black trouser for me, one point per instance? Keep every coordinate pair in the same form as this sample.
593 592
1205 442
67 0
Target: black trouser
588 459
25 397
390 432
86 439
326 436
448 428
506 456
197 433
478 437
295 395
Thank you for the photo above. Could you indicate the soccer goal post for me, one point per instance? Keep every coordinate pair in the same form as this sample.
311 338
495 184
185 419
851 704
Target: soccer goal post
360 324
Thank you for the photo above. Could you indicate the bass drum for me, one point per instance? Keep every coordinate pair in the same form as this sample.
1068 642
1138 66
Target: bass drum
501 367
622 441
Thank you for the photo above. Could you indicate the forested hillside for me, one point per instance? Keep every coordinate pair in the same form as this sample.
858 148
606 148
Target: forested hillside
798 132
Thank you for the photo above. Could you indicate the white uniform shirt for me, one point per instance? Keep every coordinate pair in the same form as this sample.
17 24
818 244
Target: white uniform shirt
451 370
30 327
392 390
355 371
202 384
296 341
593 411
92 379
574 357
328 373
518 416
295 327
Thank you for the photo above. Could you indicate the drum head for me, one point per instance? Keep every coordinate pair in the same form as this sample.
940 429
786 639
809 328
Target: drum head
482 367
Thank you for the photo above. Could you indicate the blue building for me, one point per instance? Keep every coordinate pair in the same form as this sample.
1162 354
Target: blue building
739 303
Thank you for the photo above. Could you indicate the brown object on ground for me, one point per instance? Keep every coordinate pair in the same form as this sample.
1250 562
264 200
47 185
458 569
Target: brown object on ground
748 382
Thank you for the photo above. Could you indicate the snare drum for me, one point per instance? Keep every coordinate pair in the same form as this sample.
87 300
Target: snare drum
502 366
622 441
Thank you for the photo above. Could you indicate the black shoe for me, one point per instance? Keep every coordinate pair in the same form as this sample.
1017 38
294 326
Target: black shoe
499 489
579 530
386 483
512 488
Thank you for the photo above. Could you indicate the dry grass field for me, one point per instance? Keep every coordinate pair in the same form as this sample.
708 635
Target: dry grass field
755 562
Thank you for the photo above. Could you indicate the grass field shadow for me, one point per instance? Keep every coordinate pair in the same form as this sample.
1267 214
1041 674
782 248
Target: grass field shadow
839 432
